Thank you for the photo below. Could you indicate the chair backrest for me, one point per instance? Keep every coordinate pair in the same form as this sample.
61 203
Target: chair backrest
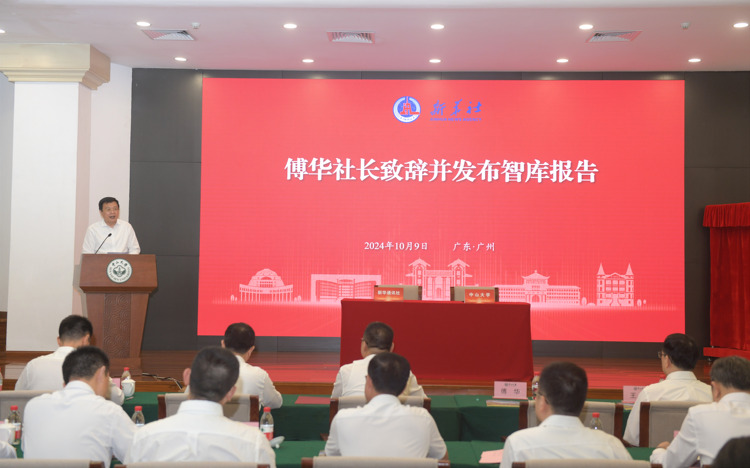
51 463
17 397
610 414
458 293
359 400
659 420
411 292
241 408
373 462
584 463
189 464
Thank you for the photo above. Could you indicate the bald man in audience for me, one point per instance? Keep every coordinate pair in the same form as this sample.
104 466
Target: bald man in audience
559 401
678 356
378 338
708 427
385 427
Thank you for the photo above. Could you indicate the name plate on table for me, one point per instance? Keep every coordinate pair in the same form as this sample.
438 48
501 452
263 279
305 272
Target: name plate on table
630 393
479 296
389 293
510 390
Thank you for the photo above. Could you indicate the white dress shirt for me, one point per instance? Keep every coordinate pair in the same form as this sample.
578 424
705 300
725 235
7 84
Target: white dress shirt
45 373
705 430
678 386
561 437
75 423
200 432
122 240
385 427
351 380
255 381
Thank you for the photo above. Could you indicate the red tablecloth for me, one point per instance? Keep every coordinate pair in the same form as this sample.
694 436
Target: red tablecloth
447 340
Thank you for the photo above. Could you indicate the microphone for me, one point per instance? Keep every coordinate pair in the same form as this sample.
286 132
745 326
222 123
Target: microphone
105 240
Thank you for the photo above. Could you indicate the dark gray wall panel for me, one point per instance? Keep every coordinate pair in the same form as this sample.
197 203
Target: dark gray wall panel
321 75
562 76
644 76
172 317
481 75
165 206
166 115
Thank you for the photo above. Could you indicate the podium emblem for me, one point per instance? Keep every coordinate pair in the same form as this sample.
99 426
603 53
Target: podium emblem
119 270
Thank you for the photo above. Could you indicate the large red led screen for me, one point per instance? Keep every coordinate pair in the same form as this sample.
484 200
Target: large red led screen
564 194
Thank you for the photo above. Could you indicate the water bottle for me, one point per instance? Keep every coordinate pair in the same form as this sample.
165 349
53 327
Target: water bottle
266 423
1 381
15 419
535 385
596 423
138 417
125 375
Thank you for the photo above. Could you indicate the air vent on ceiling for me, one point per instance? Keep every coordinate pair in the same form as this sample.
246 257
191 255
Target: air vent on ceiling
359 37
168 34
613 36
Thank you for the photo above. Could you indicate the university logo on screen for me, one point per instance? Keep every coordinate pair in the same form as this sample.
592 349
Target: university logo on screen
407 109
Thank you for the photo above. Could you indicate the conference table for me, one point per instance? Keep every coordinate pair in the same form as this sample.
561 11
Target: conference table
447 340
460 418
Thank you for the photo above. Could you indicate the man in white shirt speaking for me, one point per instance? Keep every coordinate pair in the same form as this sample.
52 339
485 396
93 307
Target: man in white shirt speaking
385 427
77 421
378 338
559 401
111 234
200 431
45 372
678 358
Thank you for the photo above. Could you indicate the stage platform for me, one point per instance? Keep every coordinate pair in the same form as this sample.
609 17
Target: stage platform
313 373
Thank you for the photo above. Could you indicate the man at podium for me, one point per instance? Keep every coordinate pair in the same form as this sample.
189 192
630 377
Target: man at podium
111 234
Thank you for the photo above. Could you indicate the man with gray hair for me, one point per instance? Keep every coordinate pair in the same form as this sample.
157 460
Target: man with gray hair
708 427
200 431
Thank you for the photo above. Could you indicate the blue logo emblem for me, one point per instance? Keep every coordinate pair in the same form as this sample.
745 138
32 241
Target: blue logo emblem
406 109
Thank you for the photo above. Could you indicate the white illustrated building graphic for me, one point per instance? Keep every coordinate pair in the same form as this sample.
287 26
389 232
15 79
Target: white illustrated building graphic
436 284
266 286
326 288
615 289
537 290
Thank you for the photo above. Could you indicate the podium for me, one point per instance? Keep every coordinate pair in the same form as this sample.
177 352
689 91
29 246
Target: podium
117 287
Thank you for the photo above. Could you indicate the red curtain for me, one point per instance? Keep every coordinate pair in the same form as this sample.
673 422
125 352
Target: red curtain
730 274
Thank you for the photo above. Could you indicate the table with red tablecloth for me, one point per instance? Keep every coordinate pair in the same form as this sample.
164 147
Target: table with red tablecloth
447 340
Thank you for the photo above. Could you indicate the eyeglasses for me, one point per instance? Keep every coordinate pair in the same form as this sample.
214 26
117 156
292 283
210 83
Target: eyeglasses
661 354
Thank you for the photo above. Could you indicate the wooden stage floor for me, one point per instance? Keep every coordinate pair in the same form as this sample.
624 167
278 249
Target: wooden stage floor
314 372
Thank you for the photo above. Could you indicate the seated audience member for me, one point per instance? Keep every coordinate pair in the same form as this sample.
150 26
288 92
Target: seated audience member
559 401
239 338
200 431
734 454
385 427
45 372
378 338
77 421
678 358
708 427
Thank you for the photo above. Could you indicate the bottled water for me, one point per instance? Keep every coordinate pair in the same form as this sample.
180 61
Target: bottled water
15 419
138 417
266 423
535 385
595 423
125 374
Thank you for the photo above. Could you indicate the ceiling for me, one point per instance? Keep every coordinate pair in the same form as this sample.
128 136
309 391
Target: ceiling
479 35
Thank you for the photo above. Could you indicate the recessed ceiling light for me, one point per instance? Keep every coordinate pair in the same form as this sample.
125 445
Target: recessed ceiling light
438 26
2 31
290 26
740 25
143 24
562 60
694 60
180 59
586 27
435 60
307 60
